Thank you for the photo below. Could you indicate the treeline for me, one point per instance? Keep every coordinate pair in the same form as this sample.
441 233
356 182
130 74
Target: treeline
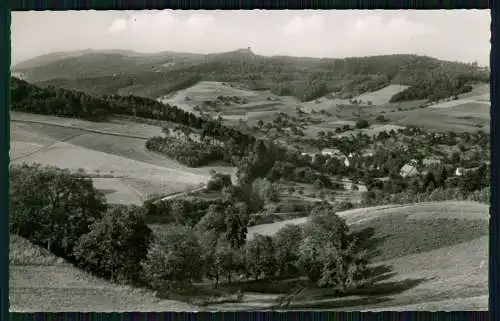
67 215
29 98
187 152
439 88
67 103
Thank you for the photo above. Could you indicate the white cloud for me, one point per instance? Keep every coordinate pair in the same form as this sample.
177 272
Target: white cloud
118 25
303 25
396 26
162 20
199 21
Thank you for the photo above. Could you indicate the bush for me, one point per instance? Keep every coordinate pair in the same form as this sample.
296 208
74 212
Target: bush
218 181
362 123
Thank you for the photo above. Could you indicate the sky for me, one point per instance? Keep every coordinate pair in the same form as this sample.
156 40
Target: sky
456 35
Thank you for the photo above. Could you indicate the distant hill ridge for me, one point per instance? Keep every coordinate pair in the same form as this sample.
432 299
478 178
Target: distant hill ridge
158 74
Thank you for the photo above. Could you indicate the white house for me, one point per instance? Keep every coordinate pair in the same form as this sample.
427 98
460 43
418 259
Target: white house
459 171
347 162
429 161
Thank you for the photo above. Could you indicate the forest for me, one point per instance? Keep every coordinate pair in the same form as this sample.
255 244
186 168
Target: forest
304 78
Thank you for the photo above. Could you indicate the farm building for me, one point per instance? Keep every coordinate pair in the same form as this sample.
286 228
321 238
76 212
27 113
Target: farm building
409 169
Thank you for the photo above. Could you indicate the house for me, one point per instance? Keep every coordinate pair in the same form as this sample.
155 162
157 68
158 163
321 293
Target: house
429 161
331 152
409 169
347 162
460 171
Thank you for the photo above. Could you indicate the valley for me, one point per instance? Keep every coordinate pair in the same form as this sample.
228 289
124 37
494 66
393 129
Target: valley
232 172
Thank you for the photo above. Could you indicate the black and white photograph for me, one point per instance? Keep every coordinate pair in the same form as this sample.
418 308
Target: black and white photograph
249 160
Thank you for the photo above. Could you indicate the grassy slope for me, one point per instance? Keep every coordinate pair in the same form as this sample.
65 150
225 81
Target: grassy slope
470 112
438 254
209 90
39 281
381 96
109 154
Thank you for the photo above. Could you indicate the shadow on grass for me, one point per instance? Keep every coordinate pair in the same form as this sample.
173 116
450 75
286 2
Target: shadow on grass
367 240
337 304
370 295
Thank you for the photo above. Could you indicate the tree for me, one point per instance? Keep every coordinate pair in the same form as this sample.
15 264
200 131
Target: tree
179 211
209 243
329 254
266 190
214 220
236 219
52 207
260 257
228 260
286 243
116 244
174 258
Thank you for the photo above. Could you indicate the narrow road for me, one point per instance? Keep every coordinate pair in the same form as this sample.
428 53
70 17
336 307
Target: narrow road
184 193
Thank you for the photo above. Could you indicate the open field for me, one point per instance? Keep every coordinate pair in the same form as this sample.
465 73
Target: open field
118 192
115 126
209 90
464 119
258 105
50 143
381 96
40 281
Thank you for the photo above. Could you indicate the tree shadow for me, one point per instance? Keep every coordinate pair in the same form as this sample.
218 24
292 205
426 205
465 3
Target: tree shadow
379 291
326 299
337 304
367 240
